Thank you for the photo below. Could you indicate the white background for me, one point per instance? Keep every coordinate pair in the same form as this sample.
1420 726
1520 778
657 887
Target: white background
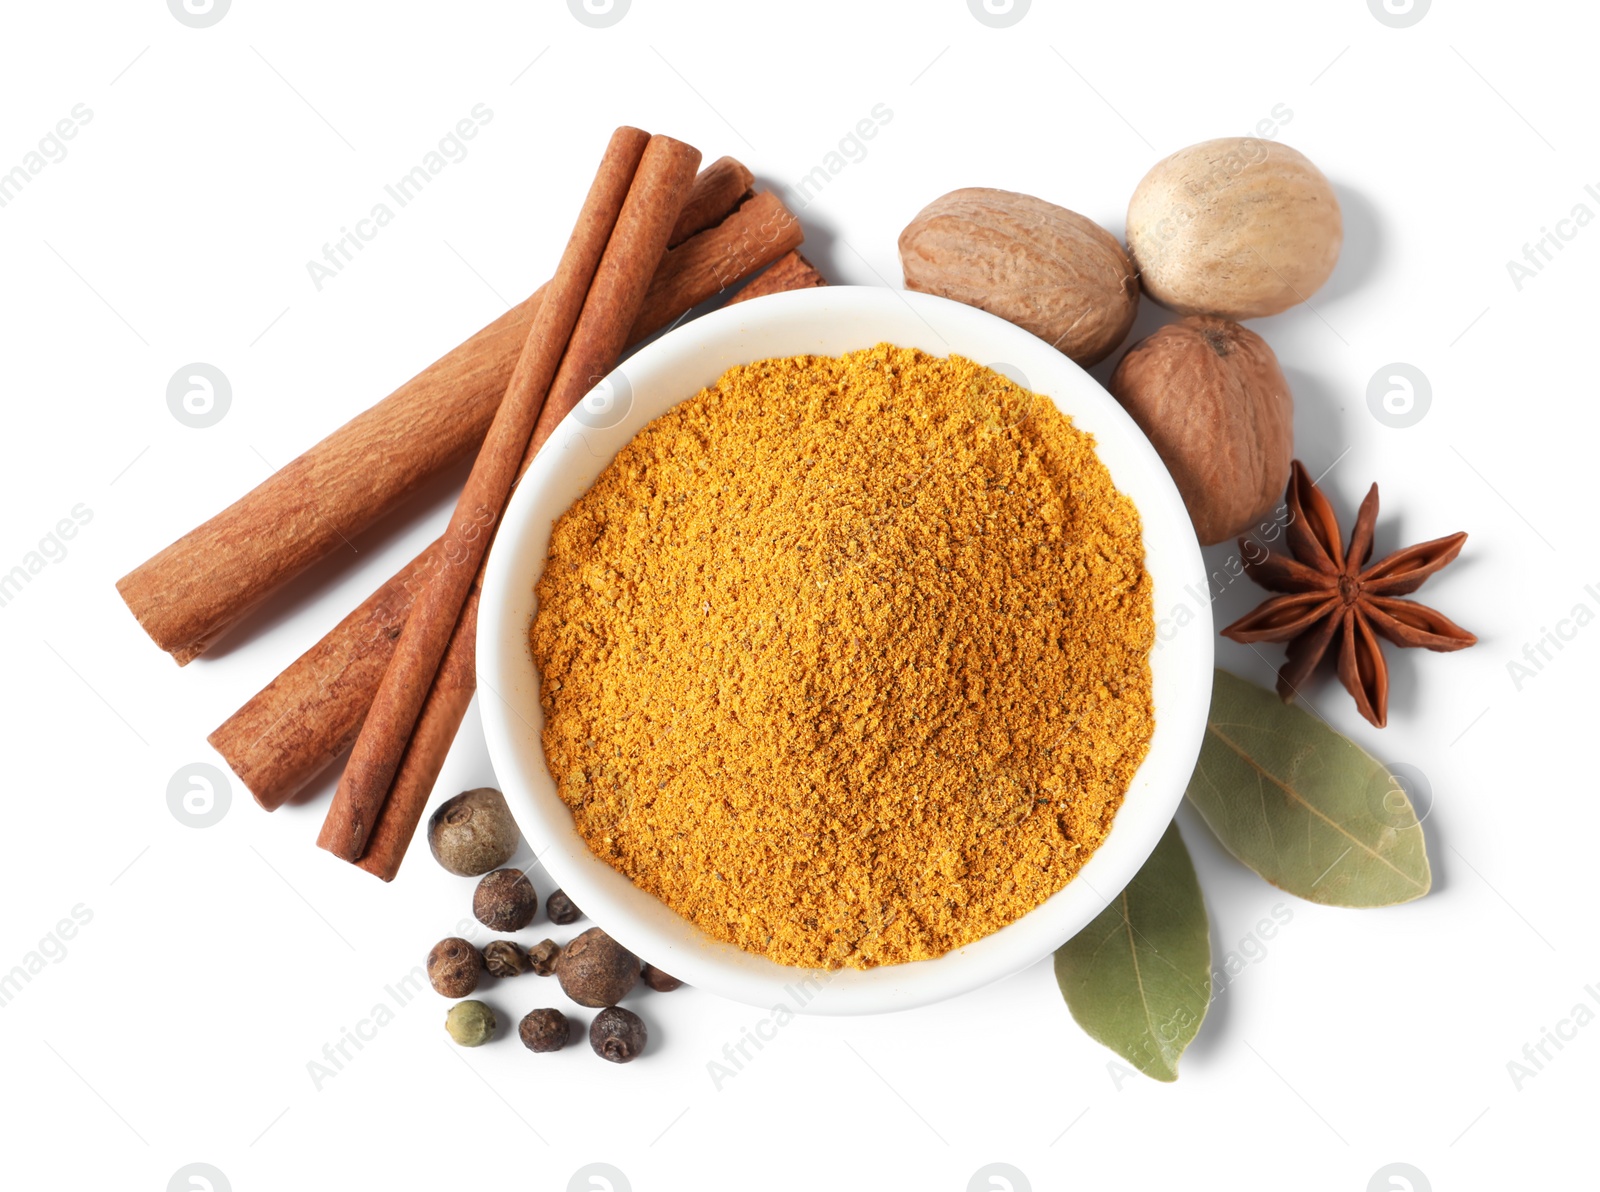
217 963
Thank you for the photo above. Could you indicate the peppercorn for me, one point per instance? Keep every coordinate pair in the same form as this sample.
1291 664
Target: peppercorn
505 900
473 832
454 967
562 910
617 1035
659 981
595 970
470 1024
542 957
545 1030
504 959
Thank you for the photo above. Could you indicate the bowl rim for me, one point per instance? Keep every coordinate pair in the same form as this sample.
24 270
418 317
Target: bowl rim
822 321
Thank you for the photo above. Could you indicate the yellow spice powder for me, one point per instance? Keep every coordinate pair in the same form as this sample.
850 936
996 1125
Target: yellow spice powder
846 659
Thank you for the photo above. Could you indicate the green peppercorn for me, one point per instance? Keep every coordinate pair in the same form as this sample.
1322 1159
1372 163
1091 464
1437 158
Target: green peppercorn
617 1035
470 1024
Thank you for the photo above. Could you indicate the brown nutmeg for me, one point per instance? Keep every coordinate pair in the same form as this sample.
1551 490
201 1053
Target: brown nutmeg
595 970
1050 271
1211 398
454 967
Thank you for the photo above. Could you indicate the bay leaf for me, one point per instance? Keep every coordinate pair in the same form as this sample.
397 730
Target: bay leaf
1138 978
1305 807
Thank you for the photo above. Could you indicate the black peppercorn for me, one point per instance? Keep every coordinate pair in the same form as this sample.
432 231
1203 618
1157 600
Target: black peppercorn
561 909
504 959
595 970
659 981
545 1030
454 967
505 900
542 957
617 1035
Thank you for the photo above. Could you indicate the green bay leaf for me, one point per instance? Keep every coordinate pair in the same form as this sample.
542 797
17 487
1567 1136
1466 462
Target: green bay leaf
1138 978
1306 808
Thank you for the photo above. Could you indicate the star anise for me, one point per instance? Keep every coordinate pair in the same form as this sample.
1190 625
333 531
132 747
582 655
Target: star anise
1333 601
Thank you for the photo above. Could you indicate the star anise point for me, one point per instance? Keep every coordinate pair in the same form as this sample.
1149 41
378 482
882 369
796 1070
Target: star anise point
1333 600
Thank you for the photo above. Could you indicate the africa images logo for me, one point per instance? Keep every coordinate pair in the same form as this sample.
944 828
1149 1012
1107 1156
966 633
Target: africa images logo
999 14
199 14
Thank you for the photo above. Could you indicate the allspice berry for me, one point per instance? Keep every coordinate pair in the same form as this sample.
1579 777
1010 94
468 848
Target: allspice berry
505 900
617 1035
1215 405
473 832
542 957
454 967
470 1024
504 959
561 909
595 970
545 1030
659 981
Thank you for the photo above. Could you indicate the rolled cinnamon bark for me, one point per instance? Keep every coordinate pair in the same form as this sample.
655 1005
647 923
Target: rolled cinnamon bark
457 679
763 230
189 594
296 726
789 272
619 240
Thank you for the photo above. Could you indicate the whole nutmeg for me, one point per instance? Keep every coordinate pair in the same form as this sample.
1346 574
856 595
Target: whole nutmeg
473 832
470 1024
659 981
617 1035
505 900
1237 227
544 1030
504 959
595 970
1048 270
454 967
1211 398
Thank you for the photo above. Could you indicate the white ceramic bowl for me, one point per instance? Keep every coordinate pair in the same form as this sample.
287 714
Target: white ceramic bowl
832 321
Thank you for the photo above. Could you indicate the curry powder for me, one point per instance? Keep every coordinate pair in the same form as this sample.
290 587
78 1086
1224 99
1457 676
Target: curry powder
846 660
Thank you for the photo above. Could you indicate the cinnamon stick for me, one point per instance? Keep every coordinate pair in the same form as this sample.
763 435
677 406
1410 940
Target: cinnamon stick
456 681
765 231
437 725
789 272
189 594
296 726
620 238
719 188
